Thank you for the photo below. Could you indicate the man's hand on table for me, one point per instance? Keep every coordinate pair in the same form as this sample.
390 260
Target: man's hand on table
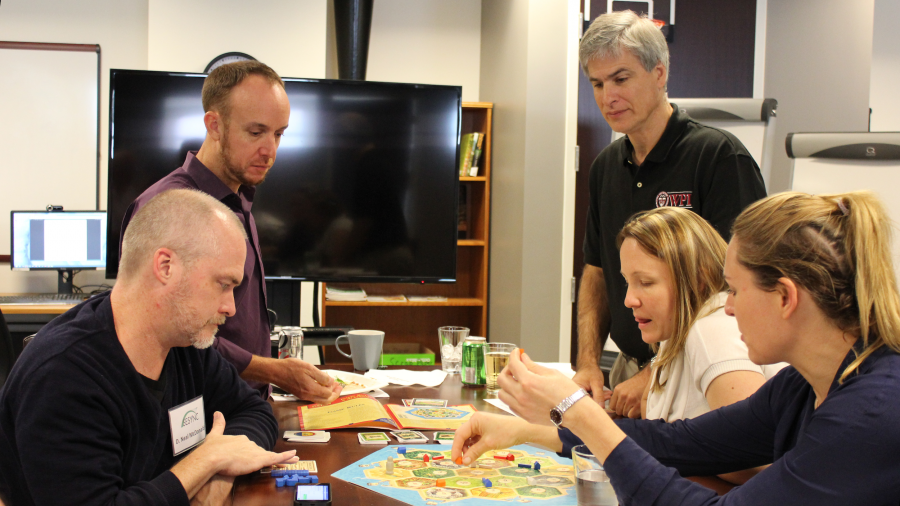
224 455
302 379
626 397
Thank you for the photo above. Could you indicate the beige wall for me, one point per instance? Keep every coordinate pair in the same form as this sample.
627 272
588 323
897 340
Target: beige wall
428 42
883 97
120 27
528 71
288 35
818 61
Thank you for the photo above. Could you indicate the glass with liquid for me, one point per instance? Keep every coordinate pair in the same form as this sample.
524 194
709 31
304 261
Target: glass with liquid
451 347
592 486
496 356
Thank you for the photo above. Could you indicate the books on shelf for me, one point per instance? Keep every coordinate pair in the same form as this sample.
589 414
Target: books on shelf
345 294
427 298
361 410
469 152
387 298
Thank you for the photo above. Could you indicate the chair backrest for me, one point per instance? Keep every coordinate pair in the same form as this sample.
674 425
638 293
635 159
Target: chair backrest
7 356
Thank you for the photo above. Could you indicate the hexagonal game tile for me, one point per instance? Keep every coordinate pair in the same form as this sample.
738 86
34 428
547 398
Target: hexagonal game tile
509 482
415 483
464 482
445 464
417 454
492 463
521 472
558 470
540 492
496 493
550 481
409 464
431 472
380 474
444 493
476 473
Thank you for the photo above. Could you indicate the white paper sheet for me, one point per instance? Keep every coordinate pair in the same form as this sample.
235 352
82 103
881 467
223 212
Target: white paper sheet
406 377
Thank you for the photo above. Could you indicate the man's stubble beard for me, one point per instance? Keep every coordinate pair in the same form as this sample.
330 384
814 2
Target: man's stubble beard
188 323
231 168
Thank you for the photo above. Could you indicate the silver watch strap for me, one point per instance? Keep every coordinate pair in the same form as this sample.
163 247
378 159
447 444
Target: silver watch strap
568 401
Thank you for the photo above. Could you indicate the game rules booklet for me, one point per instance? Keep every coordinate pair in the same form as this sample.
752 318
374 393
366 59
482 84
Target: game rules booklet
361 410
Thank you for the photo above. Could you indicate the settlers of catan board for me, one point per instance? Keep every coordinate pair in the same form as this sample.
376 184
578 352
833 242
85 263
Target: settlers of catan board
417 482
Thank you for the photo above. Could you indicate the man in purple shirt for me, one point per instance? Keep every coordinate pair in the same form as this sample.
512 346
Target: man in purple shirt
247 111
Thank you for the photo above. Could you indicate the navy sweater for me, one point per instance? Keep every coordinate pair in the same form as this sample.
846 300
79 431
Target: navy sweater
843 453
79 425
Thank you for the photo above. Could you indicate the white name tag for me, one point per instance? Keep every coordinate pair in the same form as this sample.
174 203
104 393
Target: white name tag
188 424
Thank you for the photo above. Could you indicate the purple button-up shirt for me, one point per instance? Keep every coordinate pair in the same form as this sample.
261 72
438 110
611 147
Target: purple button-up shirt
247 332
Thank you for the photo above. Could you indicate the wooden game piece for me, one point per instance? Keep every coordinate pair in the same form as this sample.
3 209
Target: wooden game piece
426 458
458 460
525 465
441 483
537 466
389 467
439 457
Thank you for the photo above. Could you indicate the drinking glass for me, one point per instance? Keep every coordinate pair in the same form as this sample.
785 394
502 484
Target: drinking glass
496 356
592 487
451 347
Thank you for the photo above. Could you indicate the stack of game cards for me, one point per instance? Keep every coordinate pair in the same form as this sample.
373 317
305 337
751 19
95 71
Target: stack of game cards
409 436
373 438
307 436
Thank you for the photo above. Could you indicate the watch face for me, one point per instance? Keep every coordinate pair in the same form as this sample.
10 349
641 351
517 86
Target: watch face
555 417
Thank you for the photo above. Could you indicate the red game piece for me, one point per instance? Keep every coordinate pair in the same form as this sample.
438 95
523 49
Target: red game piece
500 457
510 457
425 458
439 457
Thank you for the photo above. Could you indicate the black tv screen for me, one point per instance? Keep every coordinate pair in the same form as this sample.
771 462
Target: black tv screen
364 187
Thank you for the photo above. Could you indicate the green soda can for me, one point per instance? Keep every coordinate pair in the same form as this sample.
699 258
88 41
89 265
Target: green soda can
472 369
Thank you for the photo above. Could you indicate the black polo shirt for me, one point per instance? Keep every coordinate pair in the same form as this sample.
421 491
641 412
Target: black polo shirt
694 166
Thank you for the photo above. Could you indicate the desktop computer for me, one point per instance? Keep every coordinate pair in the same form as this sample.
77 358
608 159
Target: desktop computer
66 241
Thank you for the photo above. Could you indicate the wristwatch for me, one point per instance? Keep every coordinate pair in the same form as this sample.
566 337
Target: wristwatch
556 413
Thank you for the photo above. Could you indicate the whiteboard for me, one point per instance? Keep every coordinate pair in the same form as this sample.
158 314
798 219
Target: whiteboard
48 132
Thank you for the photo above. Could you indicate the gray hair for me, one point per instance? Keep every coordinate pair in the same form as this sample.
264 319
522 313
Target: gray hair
613 32
185 221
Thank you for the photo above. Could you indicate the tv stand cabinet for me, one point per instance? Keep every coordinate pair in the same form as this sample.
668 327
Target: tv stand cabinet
467 299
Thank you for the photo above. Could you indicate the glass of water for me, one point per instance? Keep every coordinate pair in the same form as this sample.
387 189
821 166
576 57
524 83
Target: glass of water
592 486
451 347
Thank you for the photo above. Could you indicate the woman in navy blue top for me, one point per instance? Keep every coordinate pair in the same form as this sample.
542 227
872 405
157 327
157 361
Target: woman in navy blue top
811 283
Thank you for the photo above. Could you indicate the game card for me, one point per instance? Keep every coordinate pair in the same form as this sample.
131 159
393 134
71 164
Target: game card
409 436
307 436
433 403
444 437
373 438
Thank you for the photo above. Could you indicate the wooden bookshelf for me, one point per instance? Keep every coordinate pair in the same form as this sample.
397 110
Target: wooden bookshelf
467 299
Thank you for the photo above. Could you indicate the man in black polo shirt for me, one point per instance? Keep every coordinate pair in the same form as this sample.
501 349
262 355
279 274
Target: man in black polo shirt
665 159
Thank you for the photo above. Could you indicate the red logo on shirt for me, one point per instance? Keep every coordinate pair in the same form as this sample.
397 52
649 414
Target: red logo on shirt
674 199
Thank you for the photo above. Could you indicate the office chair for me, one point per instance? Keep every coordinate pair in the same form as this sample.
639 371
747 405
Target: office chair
7 356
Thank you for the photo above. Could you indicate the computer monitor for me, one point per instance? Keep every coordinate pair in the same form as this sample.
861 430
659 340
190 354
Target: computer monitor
62 240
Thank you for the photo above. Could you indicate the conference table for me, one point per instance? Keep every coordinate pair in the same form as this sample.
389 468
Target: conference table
344 449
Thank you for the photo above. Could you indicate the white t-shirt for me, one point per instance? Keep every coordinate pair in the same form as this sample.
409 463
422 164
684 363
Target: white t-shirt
713 348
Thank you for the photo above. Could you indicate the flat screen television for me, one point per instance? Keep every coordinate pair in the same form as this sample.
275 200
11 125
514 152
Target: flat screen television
364 187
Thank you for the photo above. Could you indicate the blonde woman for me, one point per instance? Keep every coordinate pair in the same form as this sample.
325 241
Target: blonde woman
812 284
672 261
